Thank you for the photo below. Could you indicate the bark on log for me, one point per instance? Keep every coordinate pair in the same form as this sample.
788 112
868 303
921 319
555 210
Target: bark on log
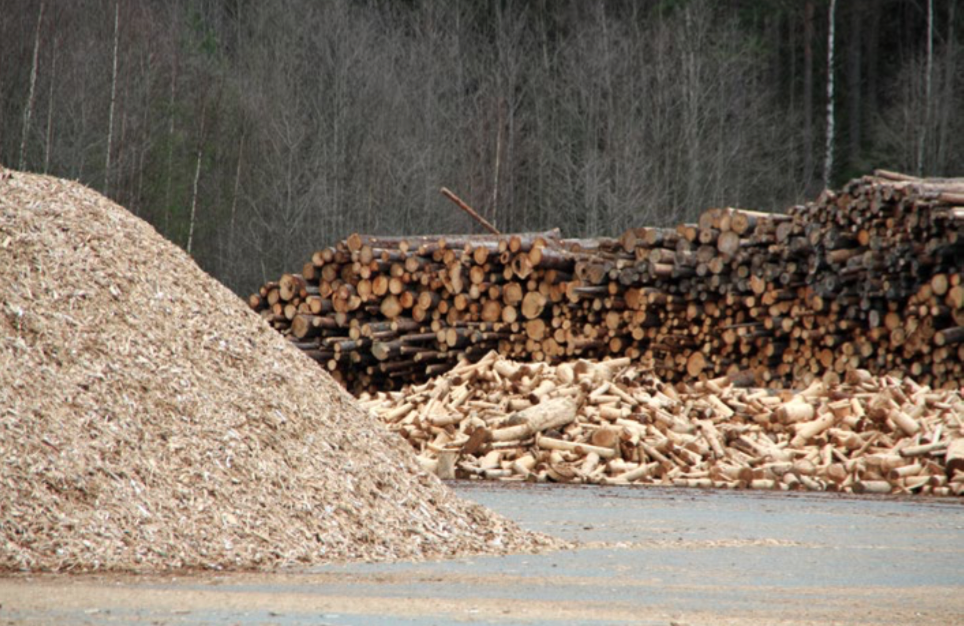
868 277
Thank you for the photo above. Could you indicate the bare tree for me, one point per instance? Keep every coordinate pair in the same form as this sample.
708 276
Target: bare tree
854 87
192 222
50 107
928 81
828 157
808 36
28 108
113 97
949 85
172 117
348 115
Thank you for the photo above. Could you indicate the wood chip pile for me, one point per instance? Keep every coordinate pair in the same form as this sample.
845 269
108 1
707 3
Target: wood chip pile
149 420
868 277
612 423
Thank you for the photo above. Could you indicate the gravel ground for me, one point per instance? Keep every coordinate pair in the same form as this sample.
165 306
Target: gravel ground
647 556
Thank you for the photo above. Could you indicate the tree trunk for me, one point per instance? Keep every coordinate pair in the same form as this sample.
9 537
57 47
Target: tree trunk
197 178
854 82
28 109
50 107
237 192
923 132
496 173
170 150
872 37
828 157
947 108
113 97
808 93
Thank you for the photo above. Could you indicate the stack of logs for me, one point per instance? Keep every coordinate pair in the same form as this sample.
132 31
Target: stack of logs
611 422
868 277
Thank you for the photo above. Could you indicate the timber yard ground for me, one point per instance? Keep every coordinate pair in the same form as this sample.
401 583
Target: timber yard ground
646 556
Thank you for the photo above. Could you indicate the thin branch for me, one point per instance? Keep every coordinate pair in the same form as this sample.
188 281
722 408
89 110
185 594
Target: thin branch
462 205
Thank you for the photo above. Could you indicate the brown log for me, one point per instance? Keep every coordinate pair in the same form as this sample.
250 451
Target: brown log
470 211
949 336
533 304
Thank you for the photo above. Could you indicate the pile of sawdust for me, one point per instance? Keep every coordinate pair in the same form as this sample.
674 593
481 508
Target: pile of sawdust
149 420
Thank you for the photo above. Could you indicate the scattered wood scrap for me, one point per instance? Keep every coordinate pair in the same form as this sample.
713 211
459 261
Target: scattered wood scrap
613 423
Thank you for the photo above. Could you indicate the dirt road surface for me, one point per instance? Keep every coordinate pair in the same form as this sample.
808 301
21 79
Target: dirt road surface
646 556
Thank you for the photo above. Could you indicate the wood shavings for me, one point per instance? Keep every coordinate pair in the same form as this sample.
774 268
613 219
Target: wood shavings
151 421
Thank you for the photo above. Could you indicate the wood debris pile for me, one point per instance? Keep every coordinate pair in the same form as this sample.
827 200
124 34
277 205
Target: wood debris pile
868 277
139 431
612 423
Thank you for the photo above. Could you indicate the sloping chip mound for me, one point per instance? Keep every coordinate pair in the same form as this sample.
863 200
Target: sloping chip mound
149 420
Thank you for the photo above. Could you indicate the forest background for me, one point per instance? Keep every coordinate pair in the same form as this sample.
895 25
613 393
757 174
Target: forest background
252 133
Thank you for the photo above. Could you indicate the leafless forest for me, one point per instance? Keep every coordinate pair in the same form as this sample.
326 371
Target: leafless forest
253 132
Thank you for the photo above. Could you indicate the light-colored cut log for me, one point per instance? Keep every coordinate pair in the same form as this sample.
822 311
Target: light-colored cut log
797 410
808 430
905 422
954 457
446 464
582 449
555 413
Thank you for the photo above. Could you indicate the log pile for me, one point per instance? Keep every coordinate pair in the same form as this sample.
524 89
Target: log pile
866 277
612 422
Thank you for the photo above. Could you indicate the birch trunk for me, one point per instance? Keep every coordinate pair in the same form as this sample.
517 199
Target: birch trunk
171 130
828 159
197 179
808 93
50 108
28 109
113 99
